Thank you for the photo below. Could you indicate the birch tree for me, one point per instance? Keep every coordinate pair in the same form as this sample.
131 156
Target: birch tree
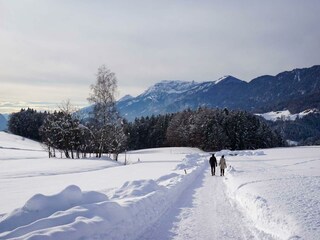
105 116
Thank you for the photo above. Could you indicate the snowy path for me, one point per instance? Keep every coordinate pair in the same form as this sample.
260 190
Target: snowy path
204 212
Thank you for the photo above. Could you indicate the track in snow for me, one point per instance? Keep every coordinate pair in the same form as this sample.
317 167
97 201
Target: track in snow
204 212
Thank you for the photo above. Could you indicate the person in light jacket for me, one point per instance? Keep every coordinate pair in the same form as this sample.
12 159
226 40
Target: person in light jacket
223 165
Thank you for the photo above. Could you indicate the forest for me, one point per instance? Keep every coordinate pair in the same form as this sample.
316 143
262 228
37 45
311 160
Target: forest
207 129
305 131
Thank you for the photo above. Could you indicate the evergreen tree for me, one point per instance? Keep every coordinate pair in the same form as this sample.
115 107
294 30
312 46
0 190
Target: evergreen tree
26 123
62 132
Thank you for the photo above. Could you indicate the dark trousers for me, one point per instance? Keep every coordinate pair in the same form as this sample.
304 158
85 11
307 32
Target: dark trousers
213 170
221 172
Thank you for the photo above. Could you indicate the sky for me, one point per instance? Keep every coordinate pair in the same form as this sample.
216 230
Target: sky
50 50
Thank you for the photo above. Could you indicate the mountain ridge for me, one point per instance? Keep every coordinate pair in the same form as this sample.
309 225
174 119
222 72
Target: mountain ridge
296 90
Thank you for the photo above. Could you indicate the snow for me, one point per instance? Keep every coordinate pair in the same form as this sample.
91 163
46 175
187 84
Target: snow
297 75
204 87
292 143
285 115
14 141
221 79
279 191
165 193
168 86
125 98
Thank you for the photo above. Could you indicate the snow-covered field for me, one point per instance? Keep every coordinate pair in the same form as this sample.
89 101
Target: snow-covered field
163 193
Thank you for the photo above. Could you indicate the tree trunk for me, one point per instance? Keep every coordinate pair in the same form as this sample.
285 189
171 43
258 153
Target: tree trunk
49 151
66 153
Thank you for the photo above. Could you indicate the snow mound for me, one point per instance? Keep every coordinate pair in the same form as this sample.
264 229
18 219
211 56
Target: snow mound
266 217
70 196
231 169
41 206
190 161
67 197
73 214
167 177
240 153
138 188
279 193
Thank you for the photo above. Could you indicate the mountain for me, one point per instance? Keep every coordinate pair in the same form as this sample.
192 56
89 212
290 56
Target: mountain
156 100
125 98
295 90
173 96
3 122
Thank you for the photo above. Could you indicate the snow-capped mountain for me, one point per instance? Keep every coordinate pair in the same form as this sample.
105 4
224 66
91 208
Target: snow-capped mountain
169 87
176 95
125 98
294 90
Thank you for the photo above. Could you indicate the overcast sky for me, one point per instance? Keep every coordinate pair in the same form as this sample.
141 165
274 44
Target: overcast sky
50 49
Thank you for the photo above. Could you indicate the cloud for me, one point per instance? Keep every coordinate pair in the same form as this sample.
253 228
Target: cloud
40 97
10 107
54 48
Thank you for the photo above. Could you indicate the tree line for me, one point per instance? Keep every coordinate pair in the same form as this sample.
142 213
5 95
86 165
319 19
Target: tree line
26 123
204 128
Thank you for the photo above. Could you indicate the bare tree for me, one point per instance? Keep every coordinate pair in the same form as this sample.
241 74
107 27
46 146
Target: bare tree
67 108
103 95
105 116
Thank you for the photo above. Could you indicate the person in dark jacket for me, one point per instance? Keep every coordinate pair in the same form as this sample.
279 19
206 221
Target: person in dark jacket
213 164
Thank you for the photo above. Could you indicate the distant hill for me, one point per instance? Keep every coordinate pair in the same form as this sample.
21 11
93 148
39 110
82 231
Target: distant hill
3 122
295 90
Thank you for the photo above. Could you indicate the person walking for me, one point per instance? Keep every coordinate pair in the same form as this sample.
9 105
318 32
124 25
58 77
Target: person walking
223 165
213 164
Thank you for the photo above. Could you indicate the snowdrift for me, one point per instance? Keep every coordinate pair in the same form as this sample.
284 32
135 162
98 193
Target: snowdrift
75 214
278 190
